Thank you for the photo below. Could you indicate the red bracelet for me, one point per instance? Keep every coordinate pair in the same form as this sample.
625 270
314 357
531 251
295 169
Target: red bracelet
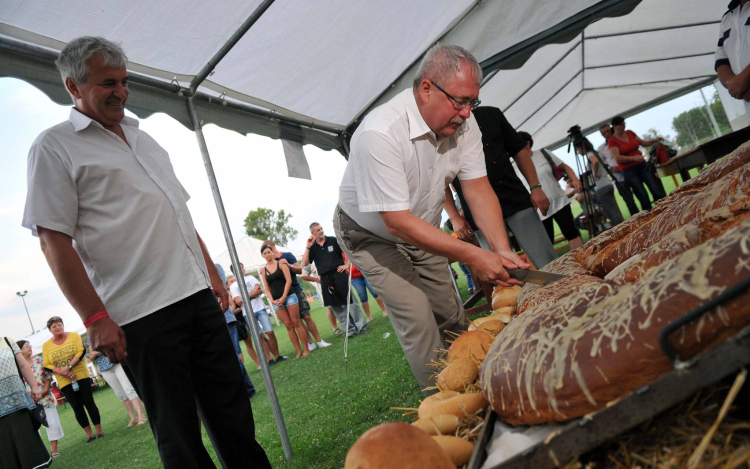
100 315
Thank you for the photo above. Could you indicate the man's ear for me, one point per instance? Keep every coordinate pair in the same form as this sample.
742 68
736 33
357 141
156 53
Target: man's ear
72 87
425 89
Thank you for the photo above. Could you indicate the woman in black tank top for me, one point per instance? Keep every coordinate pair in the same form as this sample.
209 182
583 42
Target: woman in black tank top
278 282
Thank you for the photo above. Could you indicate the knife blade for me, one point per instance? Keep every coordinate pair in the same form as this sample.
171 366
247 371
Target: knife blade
535 276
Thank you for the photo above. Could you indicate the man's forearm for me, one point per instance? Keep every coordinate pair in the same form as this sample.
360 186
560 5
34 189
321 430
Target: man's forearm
306 257
526 166
489 218
725 74
450 205
69 273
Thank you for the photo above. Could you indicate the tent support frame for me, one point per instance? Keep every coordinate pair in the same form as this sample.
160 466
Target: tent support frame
270 387
635 110
37 52
231 42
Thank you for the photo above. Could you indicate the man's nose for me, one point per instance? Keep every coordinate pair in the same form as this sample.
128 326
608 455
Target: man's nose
465 112
121 91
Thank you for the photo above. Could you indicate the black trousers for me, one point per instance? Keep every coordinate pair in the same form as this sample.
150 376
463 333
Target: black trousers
83 398
626 192
182 362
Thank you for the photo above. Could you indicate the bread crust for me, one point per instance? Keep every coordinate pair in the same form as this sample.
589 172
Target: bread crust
585 341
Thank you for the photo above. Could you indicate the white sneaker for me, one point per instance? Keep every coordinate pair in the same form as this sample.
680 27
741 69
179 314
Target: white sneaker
323 344
311 347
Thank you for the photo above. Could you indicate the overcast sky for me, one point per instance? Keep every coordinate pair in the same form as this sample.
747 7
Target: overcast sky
251 172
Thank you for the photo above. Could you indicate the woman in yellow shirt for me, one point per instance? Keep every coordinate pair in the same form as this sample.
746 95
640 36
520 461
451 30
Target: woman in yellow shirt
63 355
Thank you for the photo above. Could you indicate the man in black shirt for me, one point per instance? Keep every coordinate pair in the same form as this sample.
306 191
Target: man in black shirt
500 141
334 278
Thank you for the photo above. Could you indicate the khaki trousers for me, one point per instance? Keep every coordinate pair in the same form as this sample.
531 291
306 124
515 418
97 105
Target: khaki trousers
416 287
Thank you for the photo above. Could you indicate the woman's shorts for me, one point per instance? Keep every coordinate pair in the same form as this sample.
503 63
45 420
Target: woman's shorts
264 319
361 285
291 299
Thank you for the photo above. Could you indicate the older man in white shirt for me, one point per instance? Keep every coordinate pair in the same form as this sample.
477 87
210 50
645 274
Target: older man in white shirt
403 156
114 226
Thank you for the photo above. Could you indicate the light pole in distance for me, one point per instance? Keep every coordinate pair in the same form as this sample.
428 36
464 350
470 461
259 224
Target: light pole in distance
26 308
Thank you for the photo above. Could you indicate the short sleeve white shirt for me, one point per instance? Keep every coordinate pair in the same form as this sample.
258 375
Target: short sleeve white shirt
250 282
125 210
551 187
733 47
609 158
397 163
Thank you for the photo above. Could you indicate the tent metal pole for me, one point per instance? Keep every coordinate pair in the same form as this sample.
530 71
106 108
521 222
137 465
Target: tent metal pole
550 99
711 114
665 28
270 388
663 59
233 40
712 77
575 46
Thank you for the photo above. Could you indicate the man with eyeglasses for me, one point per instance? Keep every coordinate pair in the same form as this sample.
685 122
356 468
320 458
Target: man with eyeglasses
391 198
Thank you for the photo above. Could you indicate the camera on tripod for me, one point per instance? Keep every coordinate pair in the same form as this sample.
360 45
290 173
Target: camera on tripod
594 220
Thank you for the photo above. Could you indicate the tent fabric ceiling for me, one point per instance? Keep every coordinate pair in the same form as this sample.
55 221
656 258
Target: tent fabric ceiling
614 66
327 63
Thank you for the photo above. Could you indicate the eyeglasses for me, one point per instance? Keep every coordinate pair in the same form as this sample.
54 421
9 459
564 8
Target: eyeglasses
462 104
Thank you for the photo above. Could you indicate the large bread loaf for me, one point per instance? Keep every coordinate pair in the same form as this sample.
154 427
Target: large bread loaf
585 341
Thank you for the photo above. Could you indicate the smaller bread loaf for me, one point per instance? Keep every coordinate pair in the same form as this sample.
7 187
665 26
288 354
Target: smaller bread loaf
425 408
458 449
460 406
438 424
472 344
492 327
459 374
504 296
478 322
396 445
509 310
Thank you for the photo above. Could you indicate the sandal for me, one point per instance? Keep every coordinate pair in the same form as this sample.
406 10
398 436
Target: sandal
55 454
132 423
142 422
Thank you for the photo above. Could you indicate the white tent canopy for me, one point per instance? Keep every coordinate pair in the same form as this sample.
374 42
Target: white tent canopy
308 71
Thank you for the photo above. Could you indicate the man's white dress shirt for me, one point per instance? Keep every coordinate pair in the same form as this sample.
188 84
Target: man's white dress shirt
733 48
609 158
125 210
396 163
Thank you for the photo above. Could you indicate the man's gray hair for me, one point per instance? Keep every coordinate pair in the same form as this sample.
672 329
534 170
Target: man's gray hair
313 225
74 59
442 62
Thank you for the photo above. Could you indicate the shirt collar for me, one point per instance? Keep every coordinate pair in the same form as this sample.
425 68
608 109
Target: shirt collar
733 4
81 121
417 125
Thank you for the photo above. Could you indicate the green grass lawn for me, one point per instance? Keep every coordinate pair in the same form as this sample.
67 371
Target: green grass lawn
326 405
